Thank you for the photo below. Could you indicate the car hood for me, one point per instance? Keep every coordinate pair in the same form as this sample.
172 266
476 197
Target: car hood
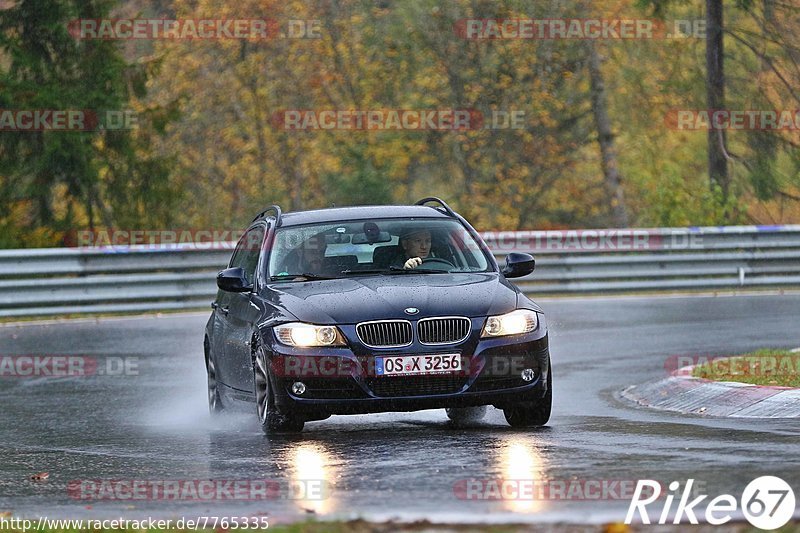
353 300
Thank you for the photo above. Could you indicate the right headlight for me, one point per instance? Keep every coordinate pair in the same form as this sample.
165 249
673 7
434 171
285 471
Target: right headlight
304 335
514 323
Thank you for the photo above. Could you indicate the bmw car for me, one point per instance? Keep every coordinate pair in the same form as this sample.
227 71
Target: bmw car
374 309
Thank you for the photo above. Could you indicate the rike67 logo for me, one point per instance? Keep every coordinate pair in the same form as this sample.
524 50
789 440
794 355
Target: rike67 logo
767 503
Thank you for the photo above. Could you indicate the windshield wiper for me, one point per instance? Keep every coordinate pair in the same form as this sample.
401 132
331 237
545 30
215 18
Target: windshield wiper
312 277
398 270
391 270
366 271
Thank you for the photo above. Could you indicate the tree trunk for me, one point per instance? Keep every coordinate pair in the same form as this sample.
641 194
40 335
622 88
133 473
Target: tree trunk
715 93
605 138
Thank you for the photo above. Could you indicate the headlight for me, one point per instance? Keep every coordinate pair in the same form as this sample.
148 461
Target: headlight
513 323
299 334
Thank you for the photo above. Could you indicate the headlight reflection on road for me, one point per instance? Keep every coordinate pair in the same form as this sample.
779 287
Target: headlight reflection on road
311 478
523 469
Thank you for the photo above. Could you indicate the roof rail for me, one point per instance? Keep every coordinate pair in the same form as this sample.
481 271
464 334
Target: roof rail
278 214
441 202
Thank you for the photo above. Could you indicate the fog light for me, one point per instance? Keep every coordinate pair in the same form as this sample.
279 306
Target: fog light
528 374
298 388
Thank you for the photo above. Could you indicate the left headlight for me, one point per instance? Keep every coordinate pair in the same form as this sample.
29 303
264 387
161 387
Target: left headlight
513 323
300 334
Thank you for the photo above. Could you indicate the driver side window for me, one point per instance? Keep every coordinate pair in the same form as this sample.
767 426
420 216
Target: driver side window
248 251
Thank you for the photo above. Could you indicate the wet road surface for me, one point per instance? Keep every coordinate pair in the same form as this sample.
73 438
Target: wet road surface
152 425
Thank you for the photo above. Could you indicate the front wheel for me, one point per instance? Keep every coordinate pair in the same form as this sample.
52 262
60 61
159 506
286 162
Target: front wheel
270 418
532 413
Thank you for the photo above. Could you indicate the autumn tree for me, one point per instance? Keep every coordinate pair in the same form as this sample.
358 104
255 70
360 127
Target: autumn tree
56 181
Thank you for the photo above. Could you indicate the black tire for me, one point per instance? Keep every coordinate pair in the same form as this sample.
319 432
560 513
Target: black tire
532 413
271 420
215 405
466 415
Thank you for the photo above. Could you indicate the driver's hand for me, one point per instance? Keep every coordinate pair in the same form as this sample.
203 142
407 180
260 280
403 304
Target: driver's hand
414 262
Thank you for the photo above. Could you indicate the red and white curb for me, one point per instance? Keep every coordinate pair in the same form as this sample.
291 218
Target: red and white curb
683 393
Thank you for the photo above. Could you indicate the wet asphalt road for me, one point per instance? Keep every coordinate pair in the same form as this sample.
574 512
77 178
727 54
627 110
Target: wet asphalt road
154 425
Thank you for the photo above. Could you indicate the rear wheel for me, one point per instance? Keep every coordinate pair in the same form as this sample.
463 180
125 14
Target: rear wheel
214 399
466 415
271 419
532 413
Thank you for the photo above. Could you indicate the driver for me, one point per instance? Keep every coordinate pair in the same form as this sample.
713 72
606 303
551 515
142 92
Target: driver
416 245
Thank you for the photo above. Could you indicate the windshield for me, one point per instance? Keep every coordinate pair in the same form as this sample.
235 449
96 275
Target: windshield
390 246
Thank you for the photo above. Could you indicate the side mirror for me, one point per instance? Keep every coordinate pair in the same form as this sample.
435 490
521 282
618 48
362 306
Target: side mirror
518 265
233 280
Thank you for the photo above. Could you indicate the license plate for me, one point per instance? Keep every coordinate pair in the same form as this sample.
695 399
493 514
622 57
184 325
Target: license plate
408 365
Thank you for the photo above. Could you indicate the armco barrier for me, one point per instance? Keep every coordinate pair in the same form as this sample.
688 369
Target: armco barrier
62 281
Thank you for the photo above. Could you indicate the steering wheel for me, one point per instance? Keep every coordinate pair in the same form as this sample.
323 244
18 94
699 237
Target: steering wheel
429 260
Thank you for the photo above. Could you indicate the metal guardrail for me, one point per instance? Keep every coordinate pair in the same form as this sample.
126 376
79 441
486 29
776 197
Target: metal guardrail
60 281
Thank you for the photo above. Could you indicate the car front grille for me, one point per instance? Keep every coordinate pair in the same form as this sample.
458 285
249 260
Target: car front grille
385 333
394 387
444 330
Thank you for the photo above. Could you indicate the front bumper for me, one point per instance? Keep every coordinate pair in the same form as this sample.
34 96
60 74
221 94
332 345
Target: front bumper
343 381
